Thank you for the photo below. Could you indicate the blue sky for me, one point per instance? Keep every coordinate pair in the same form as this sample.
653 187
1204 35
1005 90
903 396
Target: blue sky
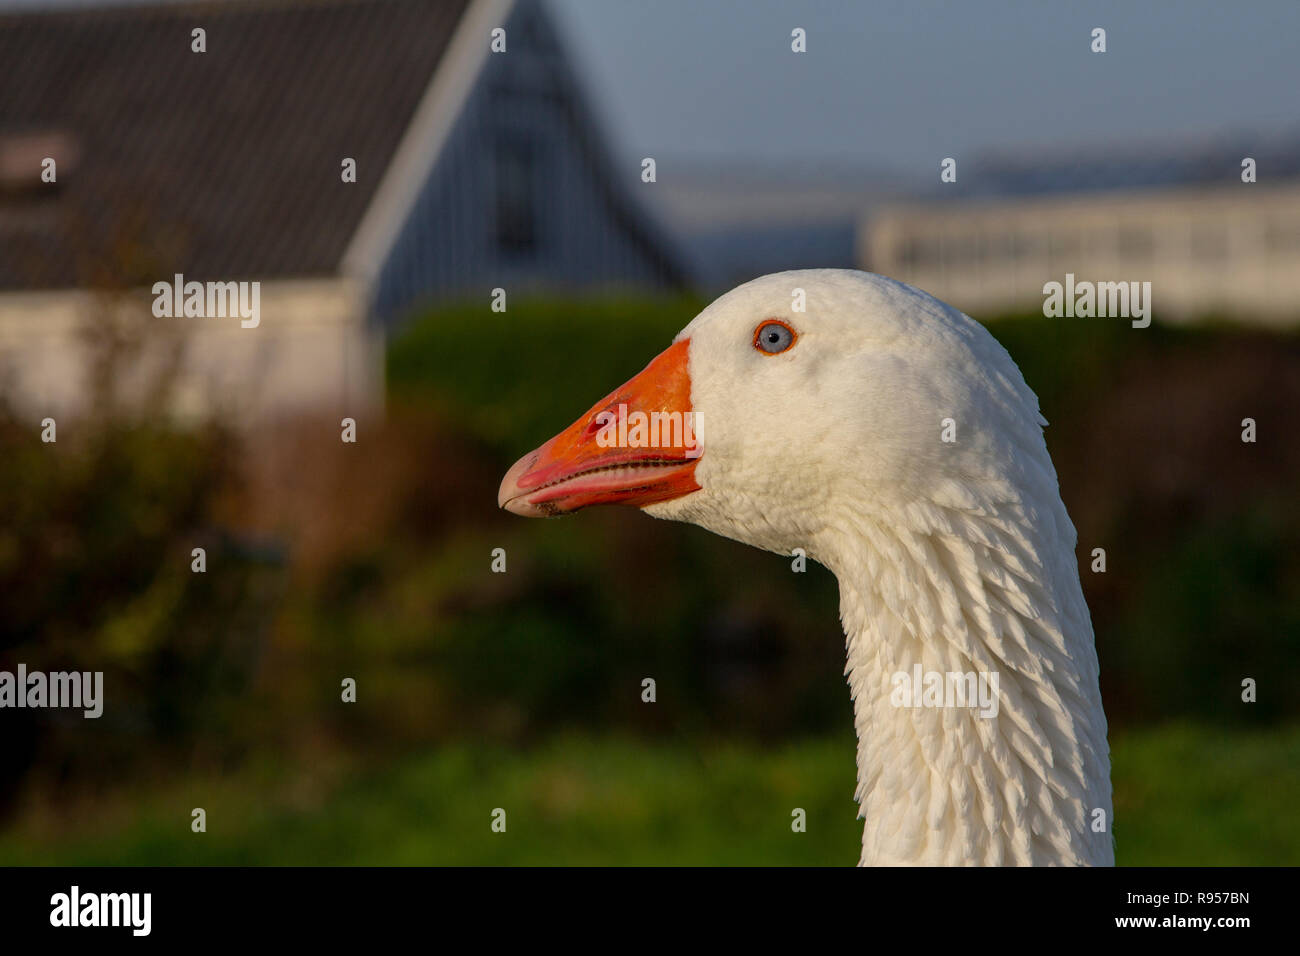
900 83
897 84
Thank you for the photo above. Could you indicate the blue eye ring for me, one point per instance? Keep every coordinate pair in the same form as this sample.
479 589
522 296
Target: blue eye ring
772 337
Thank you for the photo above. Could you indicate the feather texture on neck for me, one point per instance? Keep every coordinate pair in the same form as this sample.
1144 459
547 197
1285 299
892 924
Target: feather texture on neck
972 589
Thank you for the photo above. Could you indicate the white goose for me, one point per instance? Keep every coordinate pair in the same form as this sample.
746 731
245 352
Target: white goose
824 429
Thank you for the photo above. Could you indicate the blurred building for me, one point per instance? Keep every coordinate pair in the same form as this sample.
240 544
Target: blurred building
738 222
1209 244
474 170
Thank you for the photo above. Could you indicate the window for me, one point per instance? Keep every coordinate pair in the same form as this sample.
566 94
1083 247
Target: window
919 252
23 158
516 197
1135 243
1282 234
1209 241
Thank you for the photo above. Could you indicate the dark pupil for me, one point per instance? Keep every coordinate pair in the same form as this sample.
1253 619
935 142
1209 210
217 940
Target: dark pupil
772 337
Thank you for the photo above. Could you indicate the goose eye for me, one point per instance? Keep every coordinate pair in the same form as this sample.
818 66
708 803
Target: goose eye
773 336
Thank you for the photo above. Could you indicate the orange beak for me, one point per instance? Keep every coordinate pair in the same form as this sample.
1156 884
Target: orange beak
636 446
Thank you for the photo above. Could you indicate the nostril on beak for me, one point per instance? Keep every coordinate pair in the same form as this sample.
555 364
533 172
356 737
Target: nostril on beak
598 420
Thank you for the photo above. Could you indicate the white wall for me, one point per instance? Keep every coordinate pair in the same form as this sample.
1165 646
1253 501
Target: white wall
1233 250
312 350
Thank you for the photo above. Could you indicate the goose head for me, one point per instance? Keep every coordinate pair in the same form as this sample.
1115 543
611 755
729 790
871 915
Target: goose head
806 393
891 438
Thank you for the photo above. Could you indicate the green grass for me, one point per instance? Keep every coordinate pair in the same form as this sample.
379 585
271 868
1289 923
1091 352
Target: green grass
1195 795
1184 795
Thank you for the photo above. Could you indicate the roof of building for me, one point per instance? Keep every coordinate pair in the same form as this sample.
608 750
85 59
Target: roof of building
218 164
1140 165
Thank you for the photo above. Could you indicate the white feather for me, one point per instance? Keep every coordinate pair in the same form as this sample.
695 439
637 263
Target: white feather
957 556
